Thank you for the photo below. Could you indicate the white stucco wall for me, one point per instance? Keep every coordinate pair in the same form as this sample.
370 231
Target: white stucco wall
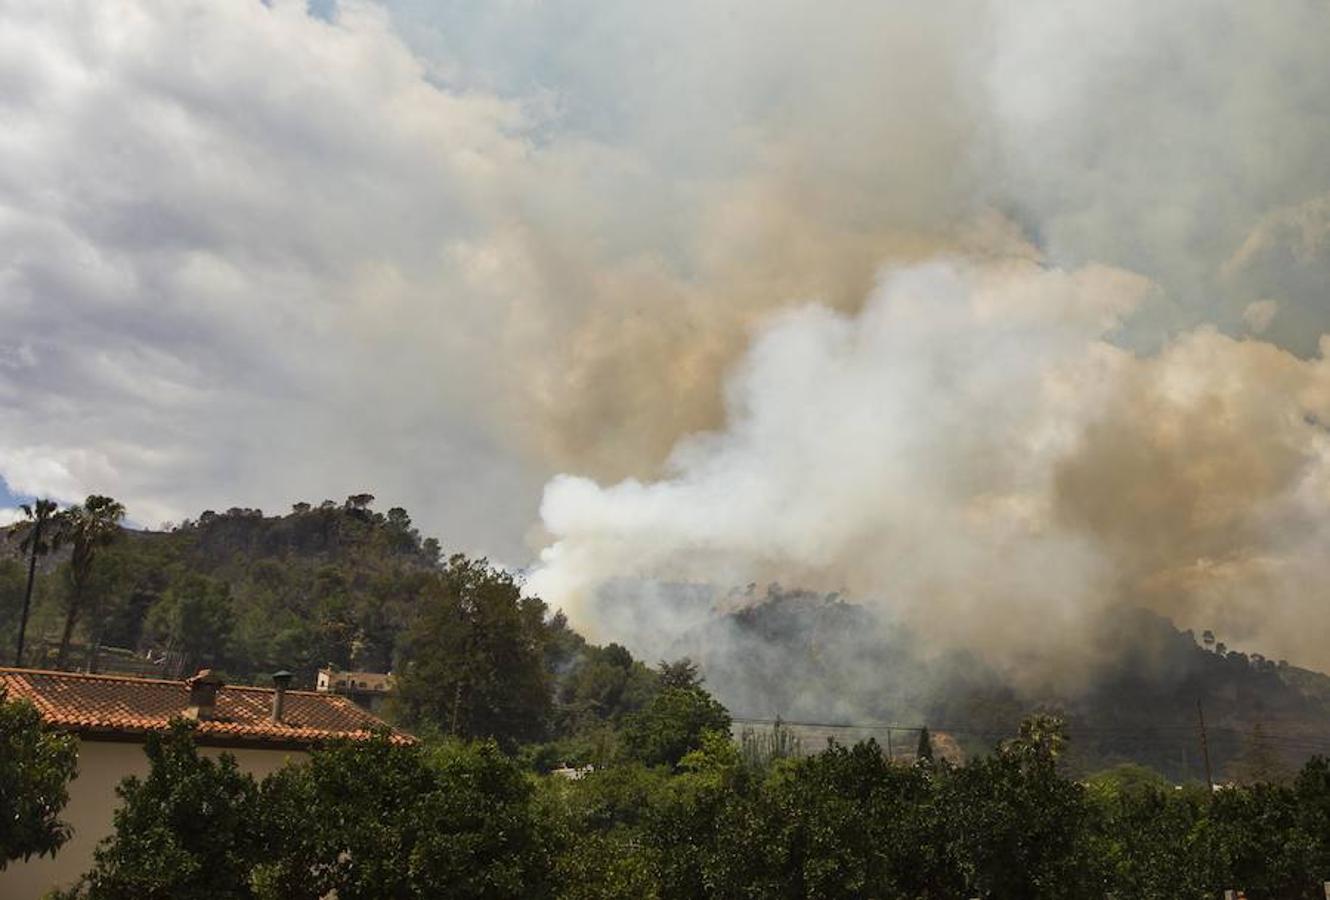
92 801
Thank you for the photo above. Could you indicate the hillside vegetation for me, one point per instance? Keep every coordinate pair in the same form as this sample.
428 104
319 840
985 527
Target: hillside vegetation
820 659
345 585
553 767
244 592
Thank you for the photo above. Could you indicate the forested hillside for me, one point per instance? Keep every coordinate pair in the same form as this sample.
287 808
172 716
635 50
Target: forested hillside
244 592
345 585
551 766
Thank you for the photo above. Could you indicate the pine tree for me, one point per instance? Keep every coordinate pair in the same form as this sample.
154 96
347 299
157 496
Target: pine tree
924 752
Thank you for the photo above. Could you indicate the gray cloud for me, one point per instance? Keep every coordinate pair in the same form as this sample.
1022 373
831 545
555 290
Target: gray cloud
231 242
444 252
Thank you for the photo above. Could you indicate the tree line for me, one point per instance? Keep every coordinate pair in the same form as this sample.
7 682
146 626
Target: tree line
681 813
240 592
473 657
87 528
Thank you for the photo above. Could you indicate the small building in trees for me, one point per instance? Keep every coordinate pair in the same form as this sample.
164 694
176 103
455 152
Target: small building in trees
263 727
366 689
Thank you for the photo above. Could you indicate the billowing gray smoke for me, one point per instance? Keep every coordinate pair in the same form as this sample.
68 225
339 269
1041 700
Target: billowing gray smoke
447 251
973 450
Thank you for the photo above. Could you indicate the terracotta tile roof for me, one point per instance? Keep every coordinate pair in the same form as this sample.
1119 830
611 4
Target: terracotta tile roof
118 707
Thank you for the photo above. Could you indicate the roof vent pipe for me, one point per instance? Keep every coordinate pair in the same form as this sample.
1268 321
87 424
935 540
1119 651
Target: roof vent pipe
280 681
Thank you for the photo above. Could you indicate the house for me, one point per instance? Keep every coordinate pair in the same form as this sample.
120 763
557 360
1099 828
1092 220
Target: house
111 715
333 681
367 689
572 773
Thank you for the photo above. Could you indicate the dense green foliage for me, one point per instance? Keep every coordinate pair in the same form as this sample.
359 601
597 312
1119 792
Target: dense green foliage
13 580
849 823
378 819
340 585
672 724
88 528
374 820
366 820
474 661
185 831
36 766
40 532
243 593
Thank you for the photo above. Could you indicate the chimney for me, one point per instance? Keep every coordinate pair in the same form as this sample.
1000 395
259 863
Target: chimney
280 682
203 689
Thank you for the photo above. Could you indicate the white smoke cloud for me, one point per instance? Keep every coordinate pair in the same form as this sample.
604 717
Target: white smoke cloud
972 452
1157 137
906 453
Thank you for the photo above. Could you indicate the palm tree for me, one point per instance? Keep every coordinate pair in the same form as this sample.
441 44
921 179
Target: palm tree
89 528
41 535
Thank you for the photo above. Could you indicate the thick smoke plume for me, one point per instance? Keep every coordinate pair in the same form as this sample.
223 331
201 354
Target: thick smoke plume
974 453
253 253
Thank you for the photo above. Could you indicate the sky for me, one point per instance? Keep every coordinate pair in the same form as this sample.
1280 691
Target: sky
505 262
9 511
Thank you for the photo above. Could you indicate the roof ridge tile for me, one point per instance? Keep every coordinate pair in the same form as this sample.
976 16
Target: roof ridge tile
125 707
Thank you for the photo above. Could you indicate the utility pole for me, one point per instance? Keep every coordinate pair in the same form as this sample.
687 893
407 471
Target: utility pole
1205 745
889 753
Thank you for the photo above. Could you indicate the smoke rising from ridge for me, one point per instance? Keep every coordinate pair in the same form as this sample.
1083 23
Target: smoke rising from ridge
973 453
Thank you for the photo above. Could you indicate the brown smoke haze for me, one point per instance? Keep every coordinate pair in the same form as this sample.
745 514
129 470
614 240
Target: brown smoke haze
1109 396
973 452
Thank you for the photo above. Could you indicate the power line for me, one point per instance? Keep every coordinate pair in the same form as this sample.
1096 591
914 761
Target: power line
1163 733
